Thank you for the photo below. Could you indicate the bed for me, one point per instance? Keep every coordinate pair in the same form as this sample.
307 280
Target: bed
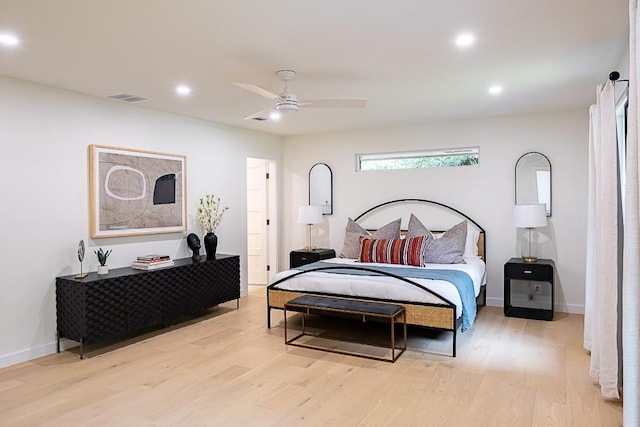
436 295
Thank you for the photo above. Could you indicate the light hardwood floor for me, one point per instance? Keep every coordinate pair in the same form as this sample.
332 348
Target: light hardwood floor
227 369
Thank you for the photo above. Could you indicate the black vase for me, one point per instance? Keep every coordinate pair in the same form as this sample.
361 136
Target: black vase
210 245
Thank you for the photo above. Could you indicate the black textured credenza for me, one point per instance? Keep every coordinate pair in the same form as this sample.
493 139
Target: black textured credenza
101 307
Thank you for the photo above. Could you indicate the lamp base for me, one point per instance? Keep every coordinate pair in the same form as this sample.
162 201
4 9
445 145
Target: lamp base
309 248
529 259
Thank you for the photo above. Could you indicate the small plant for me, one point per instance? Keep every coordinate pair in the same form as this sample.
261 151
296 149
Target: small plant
102 256
210 212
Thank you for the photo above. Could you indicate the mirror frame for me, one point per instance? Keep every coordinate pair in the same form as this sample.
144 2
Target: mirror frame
549 210
326 210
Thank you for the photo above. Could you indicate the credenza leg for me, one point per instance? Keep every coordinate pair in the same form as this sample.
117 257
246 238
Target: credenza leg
81 348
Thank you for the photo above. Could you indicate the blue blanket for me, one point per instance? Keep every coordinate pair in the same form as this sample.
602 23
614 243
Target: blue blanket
459 279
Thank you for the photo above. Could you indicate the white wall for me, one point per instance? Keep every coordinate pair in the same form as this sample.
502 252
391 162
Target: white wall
484 192
45 133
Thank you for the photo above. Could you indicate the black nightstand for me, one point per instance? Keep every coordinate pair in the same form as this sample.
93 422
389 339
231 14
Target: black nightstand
301 257
528 289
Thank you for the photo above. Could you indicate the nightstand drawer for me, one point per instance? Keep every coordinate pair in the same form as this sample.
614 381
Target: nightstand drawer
302 257
531 271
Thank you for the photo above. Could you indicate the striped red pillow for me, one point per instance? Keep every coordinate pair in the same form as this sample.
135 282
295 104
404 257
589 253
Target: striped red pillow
393 251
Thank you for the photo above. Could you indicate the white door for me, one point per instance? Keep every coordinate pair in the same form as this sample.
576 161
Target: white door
257 199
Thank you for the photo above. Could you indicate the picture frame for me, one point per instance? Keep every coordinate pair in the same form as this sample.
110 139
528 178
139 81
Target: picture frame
134 192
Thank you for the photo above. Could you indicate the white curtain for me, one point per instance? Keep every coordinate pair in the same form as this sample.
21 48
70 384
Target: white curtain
631 266
601 287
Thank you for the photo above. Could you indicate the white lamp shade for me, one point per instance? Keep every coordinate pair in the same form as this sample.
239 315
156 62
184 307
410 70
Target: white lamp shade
530 216
310 215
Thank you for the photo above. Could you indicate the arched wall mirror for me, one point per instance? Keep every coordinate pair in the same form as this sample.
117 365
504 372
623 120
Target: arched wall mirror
321 187
533 180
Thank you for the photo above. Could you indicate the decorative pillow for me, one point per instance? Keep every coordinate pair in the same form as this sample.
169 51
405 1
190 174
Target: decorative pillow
354 231
448 249
393 251
416 228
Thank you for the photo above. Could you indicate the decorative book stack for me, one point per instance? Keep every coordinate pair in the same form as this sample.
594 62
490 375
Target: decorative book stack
151 262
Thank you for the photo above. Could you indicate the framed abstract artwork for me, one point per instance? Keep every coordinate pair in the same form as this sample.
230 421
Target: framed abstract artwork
136 192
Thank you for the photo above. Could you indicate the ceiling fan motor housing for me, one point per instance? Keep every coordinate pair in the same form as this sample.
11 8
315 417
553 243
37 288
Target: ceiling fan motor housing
287 102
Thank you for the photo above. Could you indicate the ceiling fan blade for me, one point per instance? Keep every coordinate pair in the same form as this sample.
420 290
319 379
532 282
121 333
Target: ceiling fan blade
260 115
258 90
334 103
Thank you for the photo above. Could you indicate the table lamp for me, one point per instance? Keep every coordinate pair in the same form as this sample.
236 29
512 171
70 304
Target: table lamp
529 217
310 215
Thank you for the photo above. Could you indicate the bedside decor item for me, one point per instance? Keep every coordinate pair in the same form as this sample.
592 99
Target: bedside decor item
210 213
193 242
81 258
135 192
321 187
533 180
310 215
530 217
102 259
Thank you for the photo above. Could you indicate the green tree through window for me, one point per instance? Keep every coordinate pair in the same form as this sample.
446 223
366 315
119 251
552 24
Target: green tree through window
417 160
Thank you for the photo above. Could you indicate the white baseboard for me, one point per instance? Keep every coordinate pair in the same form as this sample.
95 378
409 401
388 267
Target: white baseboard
560 308
35 352
26 355
494 302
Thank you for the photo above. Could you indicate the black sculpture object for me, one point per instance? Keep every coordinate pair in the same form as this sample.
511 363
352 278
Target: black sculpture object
193 241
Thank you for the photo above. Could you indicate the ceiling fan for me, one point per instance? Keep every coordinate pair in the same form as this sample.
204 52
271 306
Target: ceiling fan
287 101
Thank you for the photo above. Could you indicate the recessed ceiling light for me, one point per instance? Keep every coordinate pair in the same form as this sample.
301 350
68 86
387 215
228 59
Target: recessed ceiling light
183 90
495 90
465 40
9 39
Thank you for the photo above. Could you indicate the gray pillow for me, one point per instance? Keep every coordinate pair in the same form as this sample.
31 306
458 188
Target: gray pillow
448 249
354 231
416 228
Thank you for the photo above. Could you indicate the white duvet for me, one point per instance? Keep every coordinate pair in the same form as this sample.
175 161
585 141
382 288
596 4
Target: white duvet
382 287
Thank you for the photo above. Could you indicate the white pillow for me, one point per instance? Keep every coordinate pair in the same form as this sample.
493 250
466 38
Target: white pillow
471 245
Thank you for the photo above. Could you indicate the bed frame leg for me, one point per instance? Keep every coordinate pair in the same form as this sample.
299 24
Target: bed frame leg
453 352
268 317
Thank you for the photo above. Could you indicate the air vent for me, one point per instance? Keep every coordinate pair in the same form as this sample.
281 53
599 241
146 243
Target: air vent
127 97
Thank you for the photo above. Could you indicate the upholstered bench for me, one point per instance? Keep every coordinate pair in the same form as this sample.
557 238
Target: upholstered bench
317 304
